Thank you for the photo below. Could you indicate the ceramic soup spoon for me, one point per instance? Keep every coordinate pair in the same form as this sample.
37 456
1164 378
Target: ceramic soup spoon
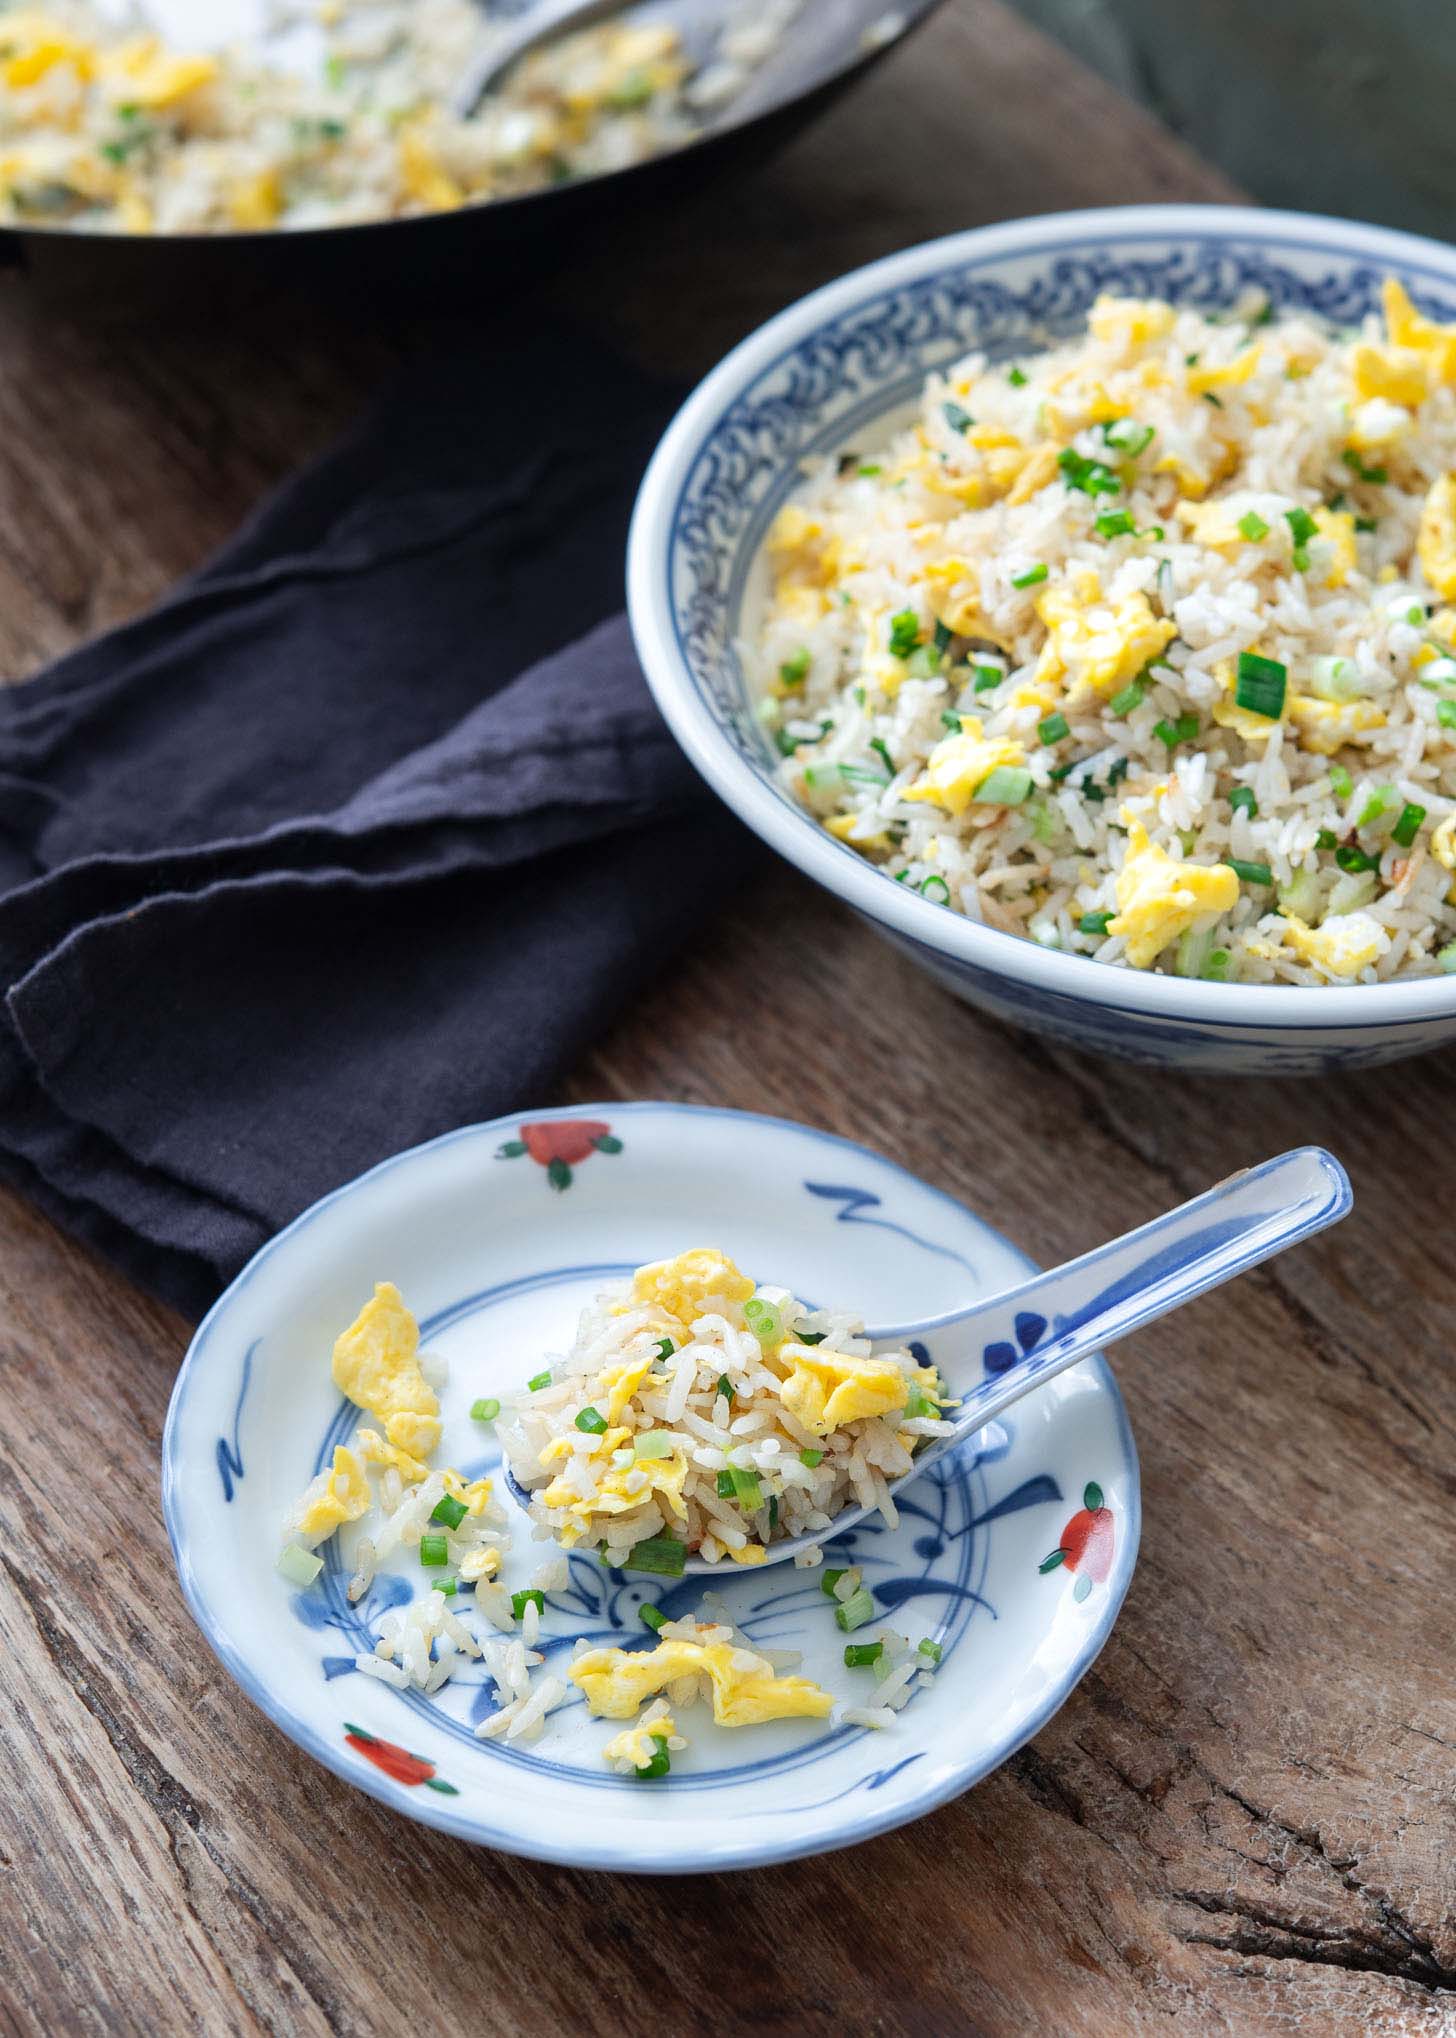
998 1350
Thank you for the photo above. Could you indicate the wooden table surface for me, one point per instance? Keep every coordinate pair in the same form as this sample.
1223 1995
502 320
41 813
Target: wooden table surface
1242 1819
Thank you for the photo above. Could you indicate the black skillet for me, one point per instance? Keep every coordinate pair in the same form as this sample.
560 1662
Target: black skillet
829 45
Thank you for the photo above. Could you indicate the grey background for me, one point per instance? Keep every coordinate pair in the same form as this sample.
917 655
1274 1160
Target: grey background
1344 106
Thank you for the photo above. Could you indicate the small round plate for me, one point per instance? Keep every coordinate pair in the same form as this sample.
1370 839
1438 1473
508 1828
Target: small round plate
1014 1555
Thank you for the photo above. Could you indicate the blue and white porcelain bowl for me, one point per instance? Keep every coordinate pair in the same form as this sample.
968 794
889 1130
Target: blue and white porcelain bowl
1012 1553
821 375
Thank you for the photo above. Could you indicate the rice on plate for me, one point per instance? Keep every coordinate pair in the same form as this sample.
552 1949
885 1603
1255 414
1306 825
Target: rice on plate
1142 647
103 127
729 1415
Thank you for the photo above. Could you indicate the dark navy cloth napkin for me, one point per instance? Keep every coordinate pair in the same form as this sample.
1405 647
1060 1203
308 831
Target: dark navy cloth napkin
359 836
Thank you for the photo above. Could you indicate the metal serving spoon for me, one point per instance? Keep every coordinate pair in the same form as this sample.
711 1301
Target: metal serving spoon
697 23
993 1353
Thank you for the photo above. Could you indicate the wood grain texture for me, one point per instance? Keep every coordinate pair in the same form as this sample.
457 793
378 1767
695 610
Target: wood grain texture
1241 1822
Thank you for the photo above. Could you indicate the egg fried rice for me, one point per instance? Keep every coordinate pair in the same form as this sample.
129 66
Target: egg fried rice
105 128
699 1413
1144 647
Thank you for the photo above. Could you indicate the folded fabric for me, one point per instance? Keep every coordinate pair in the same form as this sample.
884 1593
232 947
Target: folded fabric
359 836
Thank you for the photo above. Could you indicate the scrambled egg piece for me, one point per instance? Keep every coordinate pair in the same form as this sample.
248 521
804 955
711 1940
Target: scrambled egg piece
472 1494
256 203
1436 344
826 1389
338 1495
36 44
1443 843
1436 537
1039 472
481 1562
960 764
1395 373
1337 528
424 175
1099 648
1158 897
621 1382
636 1744
1232 376
664 1476
843 827
1130 322
375 1451
745 1690
145 74
1341 946
1216 523
1254 728
1326 726
687 1285
961 611
1377 425
377 1364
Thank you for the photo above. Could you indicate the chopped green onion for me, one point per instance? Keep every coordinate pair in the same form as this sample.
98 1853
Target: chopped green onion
652 1443
725 1387
959 420
1130 697
1335 679
1341 783
484 1410
918 1404
449 1511
1052 728
1094 923
763 1320
1173 733
444 1585
943 636
829 1579
654 1616
1302 526
853 1612
591 1422
860 1655
1377 804
1154 533
1367 524
663 1554
521 1600
1216 969
298 1565
813 1459
1126 436
665 1348
541 1380
725 1484
1007 786
1261 685
1251 873
1242 800
660 1763
1192 953
1446 714
811 1337
1326 839
1253 527
869 468
1212 396
904 632
1351 859
746 1489
1446 958
786 744
1408 826
1092 477
930 1649
794 671
949 719
877 744
936 890
1015 377
773 1512
987 676
1115 524
434 1551
1358 468
1032 577
924 662
1301 896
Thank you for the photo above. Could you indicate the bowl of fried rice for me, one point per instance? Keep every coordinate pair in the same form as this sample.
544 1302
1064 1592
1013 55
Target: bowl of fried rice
1076 599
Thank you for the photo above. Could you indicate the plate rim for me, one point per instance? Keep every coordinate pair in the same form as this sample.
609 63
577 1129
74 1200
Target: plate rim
437 1812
